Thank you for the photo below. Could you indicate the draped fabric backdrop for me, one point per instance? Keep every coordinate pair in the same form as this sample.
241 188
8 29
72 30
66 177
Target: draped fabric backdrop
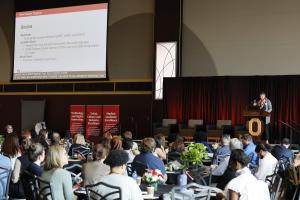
213 98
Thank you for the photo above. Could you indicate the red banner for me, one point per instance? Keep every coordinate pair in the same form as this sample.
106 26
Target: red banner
111 115
93 120
77 119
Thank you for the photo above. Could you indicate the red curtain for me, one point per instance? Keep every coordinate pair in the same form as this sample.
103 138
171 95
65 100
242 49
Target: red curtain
213 98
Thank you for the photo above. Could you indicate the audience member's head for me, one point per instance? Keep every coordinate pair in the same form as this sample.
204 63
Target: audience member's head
36 152
55 139
178 146
106 142
127 144
43 134
238 159
246 139
261 150
116 143
9 128
286 142
79 139
56 157
107 135
11 145
160 140
235 144
25 143
148 145
127 134
225 139
99 152
117 160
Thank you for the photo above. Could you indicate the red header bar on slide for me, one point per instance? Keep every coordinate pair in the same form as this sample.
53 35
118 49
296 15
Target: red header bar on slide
62 10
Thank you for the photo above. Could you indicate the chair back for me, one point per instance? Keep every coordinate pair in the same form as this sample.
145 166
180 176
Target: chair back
83 151
139 167
191 191
75 171
93 192
129 169
30 185
45 191
5 174
282 165
203 177
274 182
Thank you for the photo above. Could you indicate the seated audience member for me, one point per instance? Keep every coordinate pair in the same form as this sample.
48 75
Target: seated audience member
36 155
266 163
5 163
21 163
78 141
116 143
128 135
25 140
43 138
55 138
176 149
223 150
249 149
117 160
8 130
245 185
283 150
147 158
106 142
93 171
11 148
128 147
160 150
218 170
61 179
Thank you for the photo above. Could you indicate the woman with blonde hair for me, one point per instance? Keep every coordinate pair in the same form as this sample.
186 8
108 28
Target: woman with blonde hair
54 173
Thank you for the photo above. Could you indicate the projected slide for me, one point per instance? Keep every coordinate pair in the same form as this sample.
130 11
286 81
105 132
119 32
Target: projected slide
61 43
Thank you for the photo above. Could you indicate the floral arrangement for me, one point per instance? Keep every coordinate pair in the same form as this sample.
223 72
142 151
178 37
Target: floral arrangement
153 176
194 154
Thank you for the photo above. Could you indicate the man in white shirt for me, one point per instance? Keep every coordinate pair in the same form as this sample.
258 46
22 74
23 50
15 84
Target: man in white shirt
266 164
117 160
243 186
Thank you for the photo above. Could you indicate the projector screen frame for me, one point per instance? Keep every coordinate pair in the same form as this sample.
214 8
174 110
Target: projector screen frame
29 5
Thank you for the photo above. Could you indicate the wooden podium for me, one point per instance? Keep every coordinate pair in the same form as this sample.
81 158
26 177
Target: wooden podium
255 120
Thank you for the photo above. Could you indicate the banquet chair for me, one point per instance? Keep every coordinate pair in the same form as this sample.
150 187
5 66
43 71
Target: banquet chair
191 191
274 183
83 151
30 185
75 171
5 175
129 169
93 194
204 178
45 191
139 168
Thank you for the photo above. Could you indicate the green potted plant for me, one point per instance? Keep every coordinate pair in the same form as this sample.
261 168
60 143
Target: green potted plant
193 155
